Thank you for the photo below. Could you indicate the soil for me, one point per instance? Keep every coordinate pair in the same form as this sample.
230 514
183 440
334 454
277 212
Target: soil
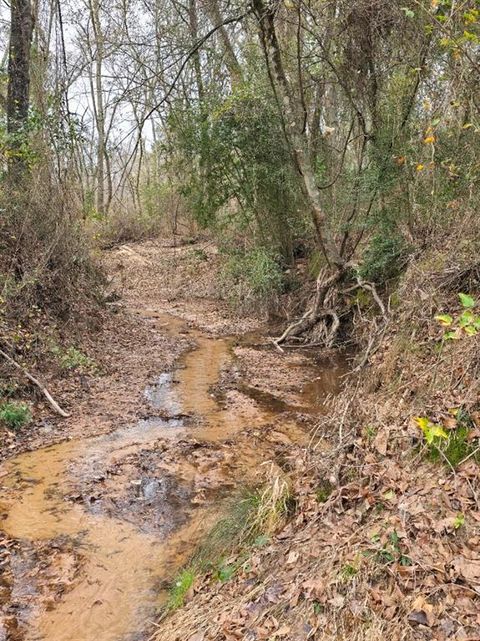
187 404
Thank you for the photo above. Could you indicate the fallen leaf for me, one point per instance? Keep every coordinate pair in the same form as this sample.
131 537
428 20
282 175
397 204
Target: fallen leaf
292 557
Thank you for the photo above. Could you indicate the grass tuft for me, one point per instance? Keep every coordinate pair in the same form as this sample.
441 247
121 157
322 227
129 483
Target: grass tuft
15 415
251 518
180 589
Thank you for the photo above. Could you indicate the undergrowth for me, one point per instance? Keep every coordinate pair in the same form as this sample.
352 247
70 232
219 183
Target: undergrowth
252 278
15 415
250 519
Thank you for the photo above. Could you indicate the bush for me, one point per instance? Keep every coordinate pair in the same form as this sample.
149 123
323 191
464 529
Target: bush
15 415
45 261
252 278
383 258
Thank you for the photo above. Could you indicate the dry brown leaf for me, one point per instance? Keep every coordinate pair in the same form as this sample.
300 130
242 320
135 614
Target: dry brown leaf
292 557
381 441
314 587
469 569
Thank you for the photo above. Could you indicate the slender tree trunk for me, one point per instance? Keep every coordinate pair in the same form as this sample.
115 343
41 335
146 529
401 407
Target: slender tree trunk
231 61
99 111
193 25
293 120
18 93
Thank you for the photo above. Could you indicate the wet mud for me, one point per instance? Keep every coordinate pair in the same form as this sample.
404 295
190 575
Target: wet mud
92 529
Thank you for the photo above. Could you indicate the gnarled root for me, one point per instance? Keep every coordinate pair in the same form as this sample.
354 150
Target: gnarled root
318 310
322 318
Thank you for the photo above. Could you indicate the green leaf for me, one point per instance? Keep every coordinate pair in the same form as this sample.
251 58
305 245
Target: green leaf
430 430
466 300
435 431
466 318
408 12
444 319
459 521
450 336
470 330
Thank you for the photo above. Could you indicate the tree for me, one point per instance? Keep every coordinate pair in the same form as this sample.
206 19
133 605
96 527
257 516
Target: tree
18 95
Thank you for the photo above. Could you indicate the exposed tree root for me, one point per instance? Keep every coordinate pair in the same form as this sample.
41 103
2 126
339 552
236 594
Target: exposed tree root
318 310
322 318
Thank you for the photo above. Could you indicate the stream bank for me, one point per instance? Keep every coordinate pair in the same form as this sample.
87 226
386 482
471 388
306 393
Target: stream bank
96 525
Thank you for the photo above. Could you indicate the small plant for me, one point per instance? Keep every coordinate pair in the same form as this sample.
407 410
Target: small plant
73 359
180 589
15 415
370 432
348 572
453 446
323 491
459 521
432 432
391 551
465 324
226 572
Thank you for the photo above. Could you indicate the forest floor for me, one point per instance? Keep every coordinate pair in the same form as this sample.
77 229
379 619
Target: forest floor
182 406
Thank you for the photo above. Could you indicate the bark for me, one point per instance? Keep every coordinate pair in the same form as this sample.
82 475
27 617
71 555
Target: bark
293 120
18 93
99 106
193 26
231 61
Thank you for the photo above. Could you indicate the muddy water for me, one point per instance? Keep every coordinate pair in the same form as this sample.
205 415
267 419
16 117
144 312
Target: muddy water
115 588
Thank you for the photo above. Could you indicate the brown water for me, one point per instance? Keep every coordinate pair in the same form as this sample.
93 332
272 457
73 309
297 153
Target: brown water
116 590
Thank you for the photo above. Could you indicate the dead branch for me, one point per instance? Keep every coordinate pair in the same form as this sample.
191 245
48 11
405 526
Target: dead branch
371 288
36 382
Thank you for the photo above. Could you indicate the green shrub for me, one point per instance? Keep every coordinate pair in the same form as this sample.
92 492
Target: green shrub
383 258
15 415
252 276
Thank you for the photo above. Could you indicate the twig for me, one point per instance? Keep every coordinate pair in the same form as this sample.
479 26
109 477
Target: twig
36 382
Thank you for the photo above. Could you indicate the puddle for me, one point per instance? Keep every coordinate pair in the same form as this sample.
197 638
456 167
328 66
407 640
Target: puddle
113 592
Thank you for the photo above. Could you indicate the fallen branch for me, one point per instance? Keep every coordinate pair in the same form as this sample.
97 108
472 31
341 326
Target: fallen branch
36 382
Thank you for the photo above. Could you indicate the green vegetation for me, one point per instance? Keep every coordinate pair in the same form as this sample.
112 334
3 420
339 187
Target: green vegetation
72 359
250 519
450 446
181 587
383 258
324 491
15 415
252 276
466 323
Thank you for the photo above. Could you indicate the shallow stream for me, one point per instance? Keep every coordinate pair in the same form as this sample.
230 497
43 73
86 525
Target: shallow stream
114 589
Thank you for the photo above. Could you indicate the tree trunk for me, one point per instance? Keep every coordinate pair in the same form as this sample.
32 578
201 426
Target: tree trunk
18 93
293 121
231 61
193 26
99 107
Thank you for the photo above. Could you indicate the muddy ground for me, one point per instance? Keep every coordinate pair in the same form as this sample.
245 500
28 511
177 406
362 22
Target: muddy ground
188 403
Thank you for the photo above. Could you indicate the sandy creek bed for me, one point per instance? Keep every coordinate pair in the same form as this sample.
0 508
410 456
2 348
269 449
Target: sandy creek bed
102 523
